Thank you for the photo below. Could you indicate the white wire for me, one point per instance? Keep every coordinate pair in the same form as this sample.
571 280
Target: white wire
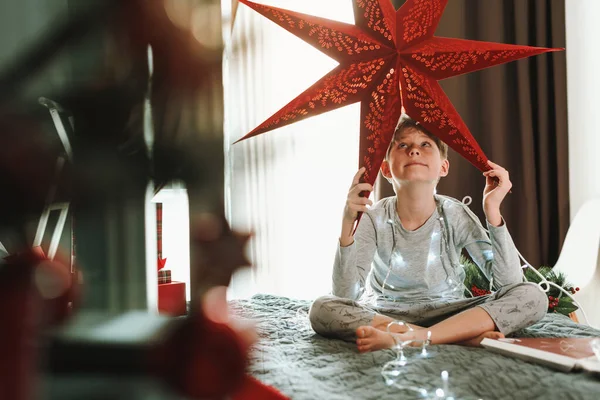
548 284
467 200
544 281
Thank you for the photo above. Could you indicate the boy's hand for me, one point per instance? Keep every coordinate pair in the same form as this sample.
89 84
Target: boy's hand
355 203
497 185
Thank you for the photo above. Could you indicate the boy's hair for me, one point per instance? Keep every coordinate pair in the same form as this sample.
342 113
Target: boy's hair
406 122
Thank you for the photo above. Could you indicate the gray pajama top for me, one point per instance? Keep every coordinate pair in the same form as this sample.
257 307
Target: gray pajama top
388 264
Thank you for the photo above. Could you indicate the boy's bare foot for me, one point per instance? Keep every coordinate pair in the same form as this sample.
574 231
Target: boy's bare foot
369 338
476 341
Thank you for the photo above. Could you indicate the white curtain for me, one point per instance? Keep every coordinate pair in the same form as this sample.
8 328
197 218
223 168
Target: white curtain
287 186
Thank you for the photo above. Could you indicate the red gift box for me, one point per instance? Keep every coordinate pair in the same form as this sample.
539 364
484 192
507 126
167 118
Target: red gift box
171 298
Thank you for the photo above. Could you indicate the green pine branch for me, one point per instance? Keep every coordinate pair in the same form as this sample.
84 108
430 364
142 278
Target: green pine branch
558 302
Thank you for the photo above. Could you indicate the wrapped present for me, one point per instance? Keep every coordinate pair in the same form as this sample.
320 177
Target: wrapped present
164 276
171 298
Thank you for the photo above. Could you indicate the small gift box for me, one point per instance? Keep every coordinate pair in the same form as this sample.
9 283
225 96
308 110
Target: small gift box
164 275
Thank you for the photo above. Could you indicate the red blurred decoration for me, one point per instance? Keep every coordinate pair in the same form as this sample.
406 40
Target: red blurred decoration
34 293
19 306
252 389
389 60
171 298
181 62
202 358
205 359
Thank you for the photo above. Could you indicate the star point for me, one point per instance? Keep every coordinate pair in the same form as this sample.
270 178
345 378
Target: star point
391 62
221 248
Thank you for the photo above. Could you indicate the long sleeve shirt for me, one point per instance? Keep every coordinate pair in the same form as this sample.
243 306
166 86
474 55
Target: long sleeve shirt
394 264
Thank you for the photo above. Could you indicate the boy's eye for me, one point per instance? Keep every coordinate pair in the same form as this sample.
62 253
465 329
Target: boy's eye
426 144
402 145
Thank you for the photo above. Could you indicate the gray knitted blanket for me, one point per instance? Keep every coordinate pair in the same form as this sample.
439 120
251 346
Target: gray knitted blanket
304 365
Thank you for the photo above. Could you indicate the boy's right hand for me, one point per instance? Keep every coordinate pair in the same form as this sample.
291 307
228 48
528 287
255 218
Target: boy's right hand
354 202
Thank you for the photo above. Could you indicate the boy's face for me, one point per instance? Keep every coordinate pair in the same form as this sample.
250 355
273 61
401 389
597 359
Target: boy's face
414 157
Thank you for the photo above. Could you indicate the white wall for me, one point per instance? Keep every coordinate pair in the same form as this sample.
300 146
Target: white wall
583 86
175 233
151 259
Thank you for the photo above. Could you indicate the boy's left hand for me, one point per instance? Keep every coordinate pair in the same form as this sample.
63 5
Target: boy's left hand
497 185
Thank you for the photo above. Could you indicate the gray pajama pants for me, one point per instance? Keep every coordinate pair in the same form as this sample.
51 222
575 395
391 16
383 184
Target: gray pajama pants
513 307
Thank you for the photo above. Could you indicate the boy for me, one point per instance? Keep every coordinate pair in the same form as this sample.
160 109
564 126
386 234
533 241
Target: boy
403 261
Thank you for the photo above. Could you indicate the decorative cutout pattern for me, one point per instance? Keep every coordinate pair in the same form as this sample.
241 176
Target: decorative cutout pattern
336 39
377 16
424 100
417 20
342 86
389 61
445 57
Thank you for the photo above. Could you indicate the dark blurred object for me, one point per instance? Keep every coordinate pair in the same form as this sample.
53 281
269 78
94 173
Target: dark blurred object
194 356
220 250
193 161
110 160
109 149
30 62
203 359
35 293
138 23
58 283
17 336
28 160
96 342
201 356
114 156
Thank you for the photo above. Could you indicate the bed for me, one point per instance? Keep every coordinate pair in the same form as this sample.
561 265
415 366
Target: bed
304 365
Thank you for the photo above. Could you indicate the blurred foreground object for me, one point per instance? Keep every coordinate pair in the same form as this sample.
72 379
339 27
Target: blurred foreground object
194 356
171 298
35 293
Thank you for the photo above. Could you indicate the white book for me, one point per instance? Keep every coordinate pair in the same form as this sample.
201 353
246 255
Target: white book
563 354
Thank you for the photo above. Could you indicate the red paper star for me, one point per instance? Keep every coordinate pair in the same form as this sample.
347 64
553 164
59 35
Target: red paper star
388 61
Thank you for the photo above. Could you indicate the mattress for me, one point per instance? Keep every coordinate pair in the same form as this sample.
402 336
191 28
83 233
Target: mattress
290 356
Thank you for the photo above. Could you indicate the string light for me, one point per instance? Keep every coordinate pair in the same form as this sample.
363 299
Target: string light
454 270
393 369
440 393
544 284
